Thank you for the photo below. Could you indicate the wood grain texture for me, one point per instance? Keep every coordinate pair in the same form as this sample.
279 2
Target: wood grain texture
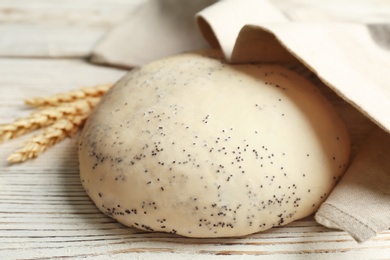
55 28
45 213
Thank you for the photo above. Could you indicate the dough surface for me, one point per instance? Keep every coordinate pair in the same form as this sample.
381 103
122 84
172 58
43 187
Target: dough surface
193 146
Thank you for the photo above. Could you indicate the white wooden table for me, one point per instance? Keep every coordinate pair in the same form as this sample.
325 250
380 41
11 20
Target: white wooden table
44 211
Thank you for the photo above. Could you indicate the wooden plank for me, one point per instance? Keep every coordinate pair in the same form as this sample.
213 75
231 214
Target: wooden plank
48 40
45 28
45 213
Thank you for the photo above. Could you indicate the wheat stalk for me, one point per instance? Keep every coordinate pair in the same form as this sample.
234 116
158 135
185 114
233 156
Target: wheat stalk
46 116
51 135
82 93
60 115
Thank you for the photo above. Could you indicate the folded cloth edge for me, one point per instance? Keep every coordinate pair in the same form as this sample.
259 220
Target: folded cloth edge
360 203
287 42
330 215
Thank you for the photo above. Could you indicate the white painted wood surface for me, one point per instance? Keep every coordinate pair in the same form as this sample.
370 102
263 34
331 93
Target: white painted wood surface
56 28
44 211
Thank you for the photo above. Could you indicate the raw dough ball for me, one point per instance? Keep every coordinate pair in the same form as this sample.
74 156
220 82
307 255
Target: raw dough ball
193 146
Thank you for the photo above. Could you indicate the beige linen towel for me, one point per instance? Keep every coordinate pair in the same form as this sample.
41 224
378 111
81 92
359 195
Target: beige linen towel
157 29
353 59
360 204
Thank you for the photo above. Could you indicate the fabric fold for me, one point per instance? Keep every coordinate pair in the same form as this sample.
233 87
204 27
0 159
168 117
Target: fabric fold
333 51
360 203
157 29
220 24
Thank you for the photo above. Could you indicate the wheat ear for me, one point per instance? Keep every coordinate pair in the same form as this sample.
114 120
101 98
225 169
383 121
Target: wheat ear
46 116
62 115
51 135
82 93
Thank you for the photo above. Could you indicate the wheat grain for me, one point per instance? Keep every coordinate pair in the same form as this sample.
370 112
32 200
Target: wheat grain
51 135
84 92
46 116
62 115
